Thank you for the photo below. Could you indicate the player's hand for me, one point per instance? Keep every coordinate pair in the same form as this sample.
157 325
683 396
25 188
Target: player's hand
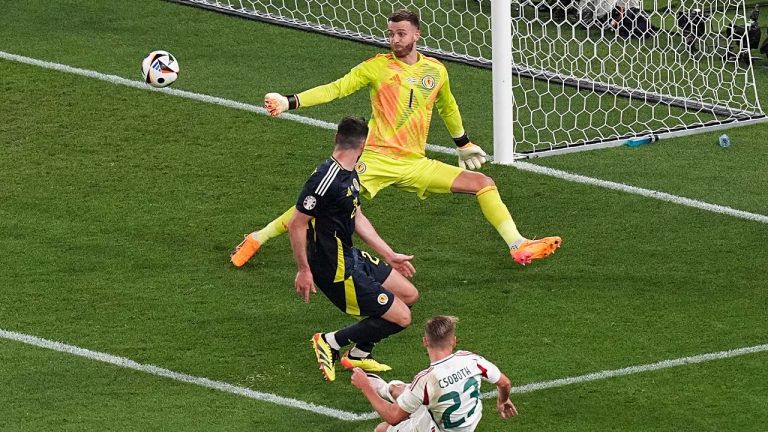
275 103
402 263
359 378
471 156
506 409
304 284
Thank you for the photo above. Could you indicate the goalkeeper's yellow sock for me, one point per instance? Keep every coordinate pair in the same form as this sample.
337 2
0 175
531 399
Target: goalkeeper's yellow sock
274 228
498 215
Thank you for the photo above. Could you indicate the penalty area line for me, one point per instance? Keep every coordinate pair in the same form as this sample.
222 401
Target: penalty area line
525 166
118 80
346 415
190 379
631 370
648 193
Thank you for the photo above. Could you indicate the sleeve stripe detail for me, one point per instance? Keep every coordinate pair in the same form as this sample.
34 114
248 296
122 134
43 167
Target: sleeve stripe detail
483 370
419 376
325 183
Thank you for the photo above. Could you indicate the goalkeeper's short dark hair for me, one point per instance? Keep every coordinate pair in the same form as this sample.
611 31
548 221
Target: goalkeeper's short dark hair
351 133
405 15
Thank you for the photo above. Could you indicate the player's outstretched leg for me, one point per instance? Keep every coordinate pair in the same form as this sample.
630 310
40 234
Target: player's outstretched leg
253 241
523 250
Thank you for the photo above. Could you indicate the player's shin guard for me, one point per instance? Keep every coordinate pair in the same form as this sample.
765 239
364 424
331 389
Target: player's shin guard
497 214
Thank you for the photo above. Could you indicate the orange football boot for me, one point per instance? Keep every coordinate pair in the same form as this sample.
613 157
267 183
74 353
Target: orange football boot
244 251
530 250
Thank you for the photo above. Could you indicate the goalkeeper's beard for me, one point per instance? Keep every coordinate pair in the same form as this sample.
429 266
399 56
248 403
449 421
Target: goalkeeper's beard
403 51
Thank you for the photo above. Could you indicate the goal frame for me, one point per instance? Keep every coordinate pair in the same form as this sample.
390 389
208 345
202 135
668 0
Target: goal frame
504 70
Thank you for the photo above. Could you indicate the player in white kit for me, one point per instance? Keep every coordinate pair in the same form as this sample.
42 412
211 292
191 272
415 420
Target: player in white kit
446 396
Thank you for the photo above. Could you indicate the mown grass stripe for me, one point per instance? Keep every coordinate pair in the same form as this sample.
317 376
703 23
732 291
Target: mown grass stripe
346 415
114 79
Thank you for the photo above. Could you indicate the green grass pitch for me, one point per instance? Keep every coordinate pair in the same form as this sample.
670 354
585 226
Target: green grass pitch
118 208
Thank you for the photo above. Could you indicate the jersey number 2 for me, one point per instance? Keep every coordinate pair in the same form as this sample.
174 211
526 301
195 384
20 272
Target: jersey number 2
372 259
473 387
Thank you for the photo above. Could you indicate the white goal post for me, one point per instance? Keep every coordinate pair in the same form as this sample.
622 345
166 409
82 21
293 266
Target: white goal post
568 75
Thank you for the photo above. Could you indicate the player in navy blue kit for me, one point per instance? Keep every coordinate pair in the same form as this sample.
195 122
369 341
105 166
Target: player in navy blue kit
359 284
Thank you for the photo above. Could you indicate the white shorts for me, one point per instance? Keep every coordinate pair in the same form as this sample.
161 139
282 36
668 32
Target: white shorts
419 421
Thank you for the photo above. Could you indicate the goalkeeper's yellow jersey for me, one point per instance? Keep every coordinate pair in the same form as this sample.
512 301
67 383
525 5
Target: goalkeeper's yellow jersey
402 97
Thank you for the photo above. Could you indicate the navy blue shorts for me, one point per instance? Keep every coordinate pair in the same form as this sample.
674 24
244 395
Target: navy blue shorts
361 293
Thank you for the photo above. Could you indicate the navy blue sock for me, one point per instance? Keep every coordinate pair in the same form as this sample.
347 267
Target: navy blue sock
366 333
366 346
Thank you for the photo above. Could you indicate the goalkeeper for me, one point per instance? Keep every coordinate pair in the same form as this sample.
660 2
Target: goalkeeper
404 87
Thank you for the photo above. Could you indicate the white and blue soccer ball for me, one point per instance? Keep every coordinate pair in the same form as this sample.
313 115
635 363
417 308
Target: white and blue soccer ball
160 69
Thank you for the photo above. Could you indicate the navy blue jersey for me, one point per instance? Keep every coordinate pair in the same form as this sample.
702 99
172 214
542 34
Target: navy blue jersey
331 196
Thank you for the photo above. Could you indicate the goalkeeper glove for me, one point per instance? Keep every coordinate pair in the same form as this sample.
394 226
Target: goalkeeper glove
277 104
471 156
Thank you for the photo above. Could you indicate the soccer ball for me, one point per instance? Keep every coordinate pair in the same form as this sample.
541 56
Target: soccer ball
160 69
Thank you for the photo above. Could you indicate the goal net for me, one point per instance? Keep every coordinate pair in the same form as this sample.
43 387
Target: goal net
586 73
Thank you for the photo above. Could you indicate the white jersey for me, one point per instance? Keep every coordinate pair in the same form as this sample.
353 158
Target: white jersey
450 390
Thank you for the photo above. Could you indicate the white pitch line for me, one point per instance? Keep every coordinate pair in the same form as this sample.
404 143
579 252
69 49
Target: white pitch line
526 166
631 370
649 193
114 79
203 382
346 415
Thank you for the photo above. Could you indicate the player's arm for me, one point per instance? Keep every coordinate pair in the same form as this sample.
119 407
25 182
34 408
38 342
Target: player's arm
389 412
505 406
491 373
471 156
353 81
308 206
297 229
398 261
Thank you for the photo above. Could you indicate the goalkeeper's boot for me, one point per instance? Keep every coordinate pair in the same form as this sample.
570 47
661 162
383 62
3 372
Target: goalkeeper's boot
244 251
368 364
326 356
530 250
